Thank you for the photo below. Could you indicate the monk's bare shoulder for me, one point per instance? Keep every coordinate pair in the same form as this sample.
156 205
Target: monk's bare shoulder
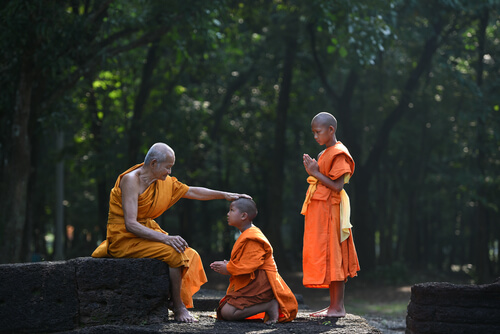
130 182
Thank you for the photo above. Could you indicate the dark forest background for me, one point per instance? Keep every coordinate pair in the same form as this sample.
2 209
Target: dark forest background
89 85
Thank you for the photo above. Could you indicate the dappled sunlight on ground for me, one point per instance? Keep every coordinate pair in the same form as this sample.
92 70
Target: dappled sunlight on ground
383 306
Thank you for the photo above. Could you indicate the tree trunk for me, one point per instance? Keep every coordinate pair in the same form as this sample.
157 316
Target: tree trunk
17 170
144 90
275 196
480 223
99 161
363 211
59 222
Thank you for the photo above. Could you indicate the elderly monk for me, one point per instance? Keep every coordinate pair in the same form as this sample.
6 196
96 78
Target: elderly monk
141 194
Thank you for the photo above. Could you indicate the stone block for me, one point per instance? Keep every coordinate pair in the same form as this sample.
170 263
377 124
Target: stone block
454 314
118 291
59 296
447 294
38 297
433 327
454 308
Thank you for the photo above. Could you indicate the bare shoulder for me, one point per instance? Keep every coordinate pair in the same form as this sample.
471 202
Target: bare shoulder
130 181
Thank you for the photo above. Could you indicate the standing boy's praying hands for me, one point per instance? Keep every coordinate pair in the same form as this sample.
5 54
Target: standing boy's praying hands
310 164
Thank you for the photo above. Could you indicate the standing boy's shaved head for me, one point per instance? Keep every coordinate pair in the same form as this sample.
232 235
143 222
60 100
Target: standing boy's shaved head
246 205
325 119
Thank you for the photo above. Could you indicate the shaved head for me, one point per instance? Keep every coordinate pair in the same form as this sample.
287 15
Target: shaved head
325 119
159 152
246 205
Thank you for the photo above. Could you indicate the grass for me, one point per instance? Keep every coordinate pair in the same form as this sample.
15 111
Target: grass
395 309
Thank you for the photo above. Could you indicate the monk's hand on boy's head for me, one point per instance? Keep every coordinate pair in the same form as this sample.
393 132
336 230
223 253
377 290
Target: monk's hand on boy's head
233 196
177 242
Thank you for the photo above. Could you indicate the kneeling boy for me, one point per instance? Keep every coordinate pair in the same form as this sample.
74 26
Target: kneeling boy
256 289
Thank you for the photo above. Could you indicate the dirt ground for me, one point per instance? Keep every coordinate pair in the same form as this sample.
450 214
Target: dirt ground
370 308
207 324
383 306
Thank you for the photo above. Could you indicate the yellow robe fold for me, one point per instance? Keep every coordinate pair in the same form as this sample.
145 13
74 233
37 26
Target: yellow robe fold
252 251
120 243
328 252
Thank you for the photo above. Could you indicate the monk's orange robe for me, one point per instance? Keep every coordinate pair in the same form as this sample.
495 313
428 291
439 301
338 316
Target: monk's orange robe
325 258
120 243
251 252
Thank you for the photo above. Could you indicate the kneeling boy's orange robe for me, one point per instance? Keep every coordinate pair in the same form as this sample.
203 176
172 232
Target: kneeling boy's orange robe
251 252
325 257
120 243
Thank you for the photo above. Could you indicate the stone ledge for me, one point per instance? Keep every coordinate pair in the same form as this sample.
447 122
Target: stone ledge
64 295
38 297
451 308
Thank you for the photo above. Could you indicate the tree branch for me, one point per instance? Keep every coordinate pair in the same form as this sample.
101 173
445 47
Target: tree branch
95 15
319 66
90 64
231 89
424 62
146 38
116 36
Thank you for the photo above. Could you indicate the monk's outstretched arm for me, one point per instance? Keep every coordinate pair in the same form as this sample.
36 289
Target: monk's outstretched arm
130 196
312 168
205 194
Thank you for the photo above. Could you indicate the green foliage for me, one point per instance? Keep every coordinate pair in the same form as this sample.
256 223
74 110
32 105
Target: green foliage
396 273
212 94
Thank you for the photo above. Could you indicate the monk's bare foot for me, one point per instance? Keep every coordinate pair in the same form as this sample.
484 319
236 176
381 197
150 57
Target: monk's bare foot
318 312
273 312
329 312
181 314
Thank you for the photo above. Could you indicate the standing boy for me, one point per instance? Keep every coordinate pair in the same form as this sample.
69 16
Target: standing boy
255 287
329 255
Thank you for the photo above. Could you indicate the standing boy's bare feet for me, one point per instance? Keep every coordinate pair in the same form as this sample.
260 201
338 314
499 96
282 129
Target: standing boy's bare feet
182 314
273 312
329 312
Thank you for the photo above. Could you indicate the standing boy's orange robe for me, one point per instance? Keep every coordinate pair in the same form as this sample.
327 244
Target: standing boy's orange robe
251 252
325 258
120 243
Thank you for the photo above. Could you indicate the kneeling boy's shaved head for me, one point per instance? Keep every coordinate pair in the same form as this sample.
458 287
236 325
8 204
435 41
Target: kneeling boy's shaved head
246 205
